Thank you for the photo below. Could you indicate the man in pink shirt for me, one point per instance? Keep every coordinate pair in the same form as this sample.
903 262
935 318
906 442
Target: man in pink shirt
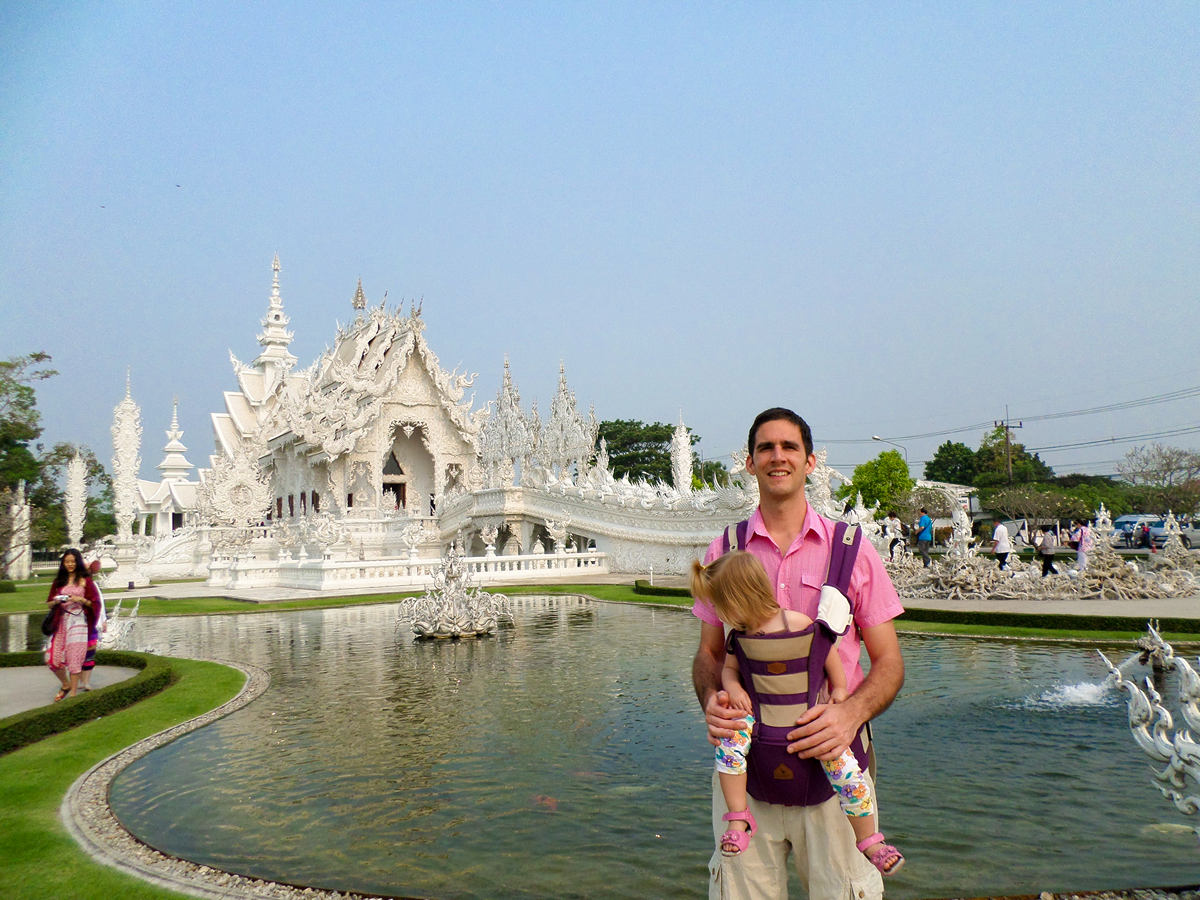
793 543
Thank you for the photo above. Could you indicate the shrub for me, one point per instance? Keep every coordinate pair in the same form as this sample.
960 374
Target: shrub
641 586
34 724
8 587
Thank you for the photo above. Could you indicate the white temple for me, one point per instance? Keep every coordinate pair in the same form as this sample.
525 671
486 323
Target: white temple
363 467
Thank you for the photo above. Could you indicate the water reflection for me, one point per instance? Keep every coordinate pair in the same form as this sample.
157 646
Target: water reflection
566 757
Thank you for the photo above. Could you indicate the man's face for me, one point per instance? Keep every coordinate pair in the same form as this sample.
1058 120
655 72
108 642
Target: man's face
779 461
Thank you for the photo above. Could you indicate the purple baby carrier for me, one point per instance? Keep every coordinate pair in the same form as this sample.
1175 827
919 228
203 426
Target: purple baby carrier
784 674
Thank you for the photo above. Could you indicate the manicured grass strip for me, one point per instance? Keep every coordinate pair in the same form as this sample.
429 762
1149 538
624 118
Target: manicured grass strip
38 859
1133 624
1008 632
618 593
206 606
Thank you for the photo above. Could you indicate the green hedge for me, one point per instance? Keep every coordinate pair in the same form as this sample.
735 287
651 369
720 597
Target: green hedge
641 586
34 724
8 587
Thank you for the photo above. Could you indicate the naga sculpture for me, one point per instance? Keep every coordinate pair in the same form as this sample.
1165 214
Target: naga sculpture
1173 751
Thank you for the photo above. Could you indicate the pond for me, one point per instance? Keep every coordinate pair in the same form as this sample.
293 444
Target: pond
566 757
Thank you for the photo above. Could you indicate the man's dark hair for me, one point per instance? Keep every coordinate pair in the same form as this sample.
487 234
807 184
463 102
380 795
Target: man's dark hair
924 510
777 413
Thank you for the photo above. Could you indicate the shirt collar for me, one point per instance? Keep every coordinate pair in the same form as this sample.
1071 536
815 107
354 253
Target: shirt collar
814 524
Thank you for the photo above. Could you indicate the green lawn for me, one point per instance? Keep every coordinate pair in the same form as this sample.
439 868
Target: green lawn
40 860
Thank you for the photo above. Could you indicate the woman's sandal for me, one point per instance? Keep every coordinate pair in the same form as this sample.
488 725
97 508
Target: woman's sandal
735 836
60 694
886 858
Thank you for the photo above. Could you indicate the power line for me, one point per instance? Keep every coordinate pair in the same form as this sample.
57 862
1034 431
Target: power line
1170 396
1152 435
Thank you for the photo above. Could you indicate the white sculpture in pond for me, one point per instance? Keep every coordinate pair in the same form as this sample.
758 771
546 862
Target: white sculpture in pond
453 607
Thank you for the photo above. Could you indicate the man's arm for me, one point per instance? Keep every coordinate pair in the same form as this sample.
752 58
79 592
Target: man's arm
722 719
826 730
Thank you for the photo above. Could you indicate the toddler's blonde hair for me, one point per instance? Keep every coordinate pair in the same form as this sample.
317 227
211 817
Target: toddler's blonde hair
738 588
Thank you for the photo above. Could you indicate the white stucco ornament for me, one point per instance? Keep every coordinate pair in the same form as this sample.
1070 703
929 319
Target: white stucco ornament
75 499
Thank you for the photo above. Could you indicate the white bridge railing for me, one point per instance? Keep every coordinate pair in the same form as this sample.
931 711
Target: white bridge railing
325 574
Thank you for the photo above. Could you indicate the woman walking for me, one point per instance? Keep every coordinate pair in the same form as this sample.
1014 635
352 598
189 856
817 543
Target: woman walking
74 595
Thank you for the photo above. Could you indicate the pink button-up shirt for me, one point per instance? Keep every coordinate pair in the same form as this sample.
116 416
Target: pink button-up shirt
799 573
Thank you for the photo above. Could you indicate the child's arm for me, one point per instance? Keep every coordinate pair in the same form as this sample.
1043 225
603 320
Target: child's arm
836 673
732 683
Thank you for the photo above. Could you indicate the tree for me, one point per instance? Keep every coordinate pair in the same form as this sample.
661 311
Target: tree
643 451
20 421
708 472
1169 477
997 452
20 424
1117 496
1036 503
953 462
637 449
884 479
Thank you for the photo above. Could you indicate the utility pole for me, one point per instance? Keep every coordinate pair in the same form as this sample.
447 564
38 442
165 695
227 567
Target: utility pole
1008 426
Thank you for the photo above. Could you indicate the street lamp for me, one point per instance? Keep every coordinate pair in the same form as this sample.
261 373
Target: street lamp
876 437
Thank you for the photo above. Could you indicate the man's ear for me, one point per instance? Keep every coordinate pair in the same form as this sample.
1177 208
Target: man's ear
810 463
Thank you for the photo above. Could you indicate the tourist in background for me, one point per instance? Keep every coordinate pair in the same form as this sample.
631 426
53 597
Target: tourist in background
924 530
74 595
794 542
1001 544
893 528
95 629
1081 538
1047 547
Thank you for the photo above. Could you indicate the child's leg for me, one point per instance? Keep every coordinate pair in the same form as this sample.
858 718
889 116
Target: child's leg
733 787
853 793
731 772
858 803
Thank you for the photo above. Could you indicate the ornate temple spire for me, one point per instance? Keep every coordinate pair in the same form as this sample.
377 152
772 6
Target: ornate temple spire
75 499
174 466
275 337
126 461
360 299
681 457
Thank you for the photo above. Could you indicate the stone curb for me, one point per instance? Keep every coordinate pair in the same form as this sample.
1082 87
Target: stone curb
89 820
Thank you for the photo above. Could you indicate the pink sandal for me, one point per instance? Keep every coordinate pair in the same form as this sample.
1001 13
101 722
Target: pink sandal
740 839
887 859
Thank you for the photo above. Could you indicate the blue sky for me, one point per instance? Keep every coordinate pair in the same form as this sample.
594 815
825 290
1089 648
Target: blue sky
898 219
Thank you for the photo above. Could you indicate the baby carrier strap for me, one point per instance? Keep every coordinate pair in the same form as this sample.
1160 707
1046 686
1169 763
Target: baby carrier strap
735 536
842 556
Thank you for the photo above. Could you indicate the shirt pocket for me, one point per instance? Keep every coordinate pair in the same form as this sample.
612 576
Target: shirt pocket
810 593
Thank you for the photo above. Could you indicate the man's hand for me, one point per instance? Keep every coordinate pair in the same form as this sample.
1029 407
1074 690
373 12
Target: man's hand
825 731
722 719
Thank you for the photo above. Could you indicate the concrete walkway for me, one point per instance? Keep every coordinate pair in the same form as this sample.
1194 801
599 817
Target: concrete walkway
28 687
